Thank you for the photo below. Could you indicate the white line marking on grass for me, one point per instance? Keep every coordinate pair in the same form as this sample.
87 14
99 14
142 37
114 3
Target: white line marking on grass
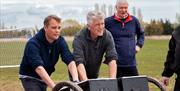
9 66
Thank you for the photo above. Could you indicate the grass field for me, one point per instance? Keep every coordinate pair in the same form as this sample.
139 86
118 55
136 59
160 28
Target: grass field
150 63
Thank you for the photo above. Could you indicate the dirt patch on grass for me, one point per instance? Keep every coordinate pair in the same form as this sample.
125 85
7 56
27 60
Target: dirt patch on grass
11 86
159 37
70 38
155 37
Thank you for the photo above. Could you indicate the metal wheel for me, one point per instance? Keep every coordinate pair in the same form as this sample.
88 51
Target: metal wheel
156 83
63 86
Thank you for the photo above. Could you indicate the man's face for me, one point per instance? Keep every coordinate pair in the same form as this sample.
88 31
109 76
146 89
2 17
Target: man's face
122 9
96 27
52 30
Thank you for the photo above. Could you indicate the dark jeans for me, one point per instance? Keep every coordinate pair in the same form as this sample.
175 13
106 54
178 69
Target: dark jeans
126 71
33 84
177 84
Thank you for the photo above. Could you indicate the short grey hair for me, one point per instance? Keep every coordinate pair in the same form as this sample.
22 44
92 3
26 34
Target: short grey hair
93 14
121 1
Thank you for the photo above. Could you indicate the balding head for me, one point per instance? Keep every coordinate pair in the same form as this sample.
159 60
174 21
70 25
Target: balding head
122 8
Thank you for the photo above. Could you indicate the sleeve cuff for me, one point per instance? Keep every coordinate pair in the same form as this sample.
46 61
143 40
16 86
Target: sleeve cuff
140 45
109 60
167 73
77 63
36 65
68 59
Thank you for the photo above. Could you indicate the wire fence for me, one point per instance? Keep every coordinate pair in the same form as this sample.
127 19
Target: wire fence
12 43
11 51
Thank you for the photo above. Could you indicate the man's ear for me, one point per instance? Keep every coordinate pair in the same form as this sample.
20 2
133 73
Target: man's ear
45 27
88 26
115 6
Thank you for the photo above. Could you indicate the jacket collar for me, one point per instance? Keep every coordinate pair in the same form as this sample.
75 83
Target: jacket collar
41 37
88 35
129 18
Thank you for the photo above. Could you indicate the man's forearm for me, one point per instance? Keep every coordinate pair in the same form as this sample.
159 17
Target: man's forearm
82 72
112 69
44 76
73 70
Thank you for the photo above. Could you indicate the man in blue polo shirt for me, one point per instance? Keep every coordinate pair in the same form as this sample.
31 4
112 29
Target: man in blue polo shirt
42 53
124 29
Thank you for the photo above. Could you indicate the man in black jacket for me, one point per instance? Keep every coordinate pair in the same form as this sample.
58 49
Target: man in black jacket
172 64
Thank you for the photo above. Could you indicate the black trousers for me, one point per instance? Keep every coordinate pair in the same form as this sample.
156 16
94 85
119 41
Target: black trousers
177 84
126 71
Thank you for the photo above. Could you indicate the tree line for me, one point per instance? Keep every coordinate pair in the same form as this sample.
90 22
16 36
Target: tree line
159 27
154 27
71 27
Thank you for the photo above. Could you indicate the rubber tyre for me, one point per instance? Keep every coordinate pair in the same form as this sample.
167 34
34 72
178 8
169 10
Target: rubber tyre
71 85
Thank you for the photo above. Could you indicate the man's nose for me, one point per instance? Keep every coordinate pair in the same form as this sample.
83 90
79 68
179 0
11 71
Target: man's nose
124 10
58 30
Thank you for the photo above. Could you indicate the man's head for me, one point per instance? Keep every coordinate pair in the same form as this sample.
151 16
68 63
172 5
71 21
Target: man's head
95 23
122 8
52 27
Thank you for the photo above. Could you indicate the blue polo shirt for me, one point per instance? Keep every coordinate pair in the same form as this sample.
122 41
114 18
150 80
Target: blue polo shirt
39 52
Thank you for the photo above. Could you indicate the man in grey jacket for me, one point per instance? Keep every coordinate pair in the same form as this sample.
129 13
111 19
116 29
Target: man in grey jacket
89 46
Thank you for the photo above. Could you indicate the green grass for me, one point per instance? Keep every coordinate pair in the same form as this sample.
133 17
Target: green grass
150 59
150 62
